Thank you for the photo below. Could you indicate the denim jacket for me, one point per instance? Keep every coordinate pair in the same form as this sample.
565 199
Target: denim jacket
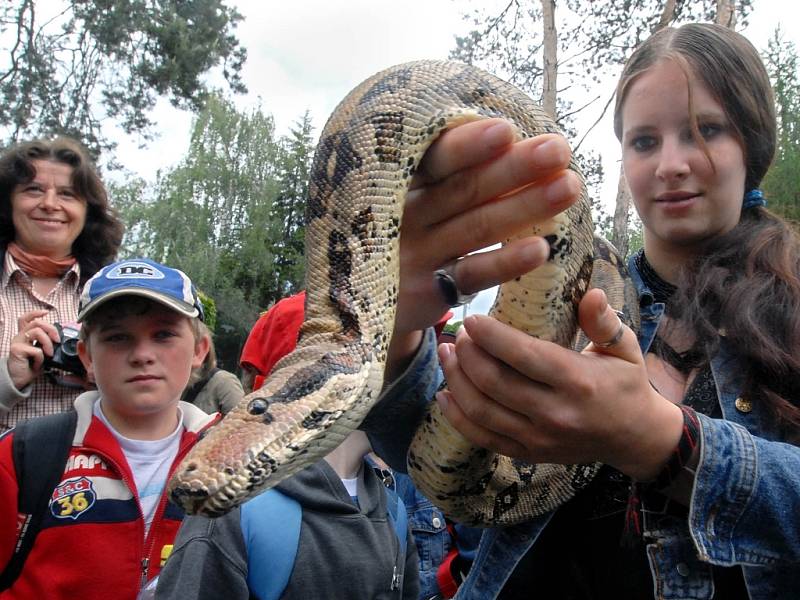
390 426
745 504
432 537
429 529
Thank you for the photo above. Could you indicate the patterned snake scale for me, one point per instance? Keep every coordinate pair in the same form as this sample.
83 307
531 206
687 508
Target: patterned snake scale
318 394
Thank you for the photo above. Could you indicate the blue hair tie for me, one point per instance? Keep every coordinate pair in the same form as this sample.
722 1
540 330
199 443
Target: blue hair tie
754 198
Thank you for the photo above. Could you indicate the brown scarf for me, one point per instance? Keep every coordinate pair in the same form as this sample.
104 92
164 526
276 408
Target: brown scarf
39 266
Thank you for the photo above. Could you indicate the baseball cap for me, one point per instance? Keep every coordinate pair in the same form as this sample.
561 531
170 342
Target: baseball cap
141 277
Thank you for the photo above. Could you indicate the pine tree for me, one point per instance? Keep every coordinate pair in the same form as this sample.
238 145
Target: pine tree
782 182
72 65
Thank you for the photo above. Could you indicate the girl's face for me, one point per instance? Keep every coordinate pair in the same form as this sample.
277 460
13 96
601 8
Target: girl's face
683 199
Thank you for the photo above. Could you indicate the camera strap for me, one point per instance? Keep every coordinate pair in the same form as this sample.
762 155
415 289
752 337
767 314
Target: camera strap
62 378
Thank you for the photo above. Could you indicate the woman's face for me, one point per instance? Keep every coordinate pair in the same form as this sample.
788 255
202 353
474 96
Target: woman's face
47 213
683 199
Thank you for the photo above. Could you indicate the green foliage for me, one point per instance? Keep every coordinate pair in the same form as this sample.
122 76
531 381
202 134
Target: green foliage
635 236
782 182
72 65
452 327
287 219
209 311
231 215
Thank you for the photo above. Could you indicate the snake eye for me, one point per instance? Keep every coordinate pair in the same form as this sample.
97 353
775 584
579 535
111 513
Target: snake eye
257 406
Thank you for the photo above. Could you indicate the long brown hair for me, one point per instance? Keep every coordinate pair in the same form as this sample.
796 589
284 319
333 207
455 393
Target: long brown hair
745 288
100 239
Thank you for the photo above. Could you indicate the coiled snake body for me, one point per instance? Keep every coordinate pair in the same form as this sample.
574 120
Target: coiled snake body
319 393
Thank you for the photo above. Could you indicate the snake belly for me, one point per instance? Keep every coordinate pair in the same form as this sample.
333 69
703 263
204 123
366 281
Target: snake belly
315 396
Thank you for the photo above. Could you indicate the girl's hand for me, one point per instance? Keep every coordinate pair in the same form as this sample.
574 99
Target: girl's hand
475 187
536 401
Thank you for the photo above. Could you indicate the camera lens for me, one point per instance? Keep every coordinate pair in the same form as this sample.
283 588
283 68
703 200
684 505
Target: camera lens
70 347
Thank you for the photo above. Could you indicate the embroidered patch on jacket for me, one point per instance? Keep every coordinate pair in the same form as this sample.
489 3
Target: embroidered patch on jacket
72 498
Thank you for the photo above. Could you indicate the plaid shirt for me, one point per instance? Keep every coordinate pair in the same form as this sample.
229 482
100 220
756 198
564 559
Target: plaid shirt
17 297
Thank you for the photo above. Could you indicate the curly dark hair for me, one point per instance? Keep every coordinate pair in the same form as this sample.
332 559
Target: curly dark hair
99 241
746 290
745 287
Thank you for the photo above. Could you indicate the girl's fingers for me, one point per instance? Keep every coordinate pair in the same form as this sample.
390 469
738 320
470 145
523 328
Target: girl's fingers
536 359
476 434
529 174
483 270
605 328
462 148
491 222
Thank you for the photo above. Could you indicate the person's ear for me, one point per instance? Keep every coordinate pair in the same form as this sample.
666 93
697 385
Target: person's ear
201 348
85 354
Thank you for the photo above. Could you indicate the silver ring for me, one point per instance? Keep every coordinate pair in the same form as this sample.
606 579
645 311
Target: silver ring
445 277
617 336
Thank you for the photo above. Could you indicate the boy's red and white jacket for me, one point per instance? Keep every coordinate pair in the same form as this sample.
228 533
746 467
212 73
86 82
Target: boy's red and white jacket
91 544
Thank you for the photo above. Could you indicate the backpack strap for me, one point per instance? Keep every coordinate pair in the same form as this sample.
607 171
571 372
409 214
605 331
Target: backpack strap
40 448
271 529
398 516
191 393
395 507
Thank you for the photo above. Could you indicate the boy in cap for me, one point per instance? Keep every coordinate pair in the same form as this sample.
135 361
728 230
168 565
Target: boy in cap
108 522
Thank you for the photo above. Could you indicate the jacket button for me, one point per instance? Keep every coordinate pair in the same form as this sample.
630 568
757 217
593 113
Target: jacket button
683 569
743 405
437 522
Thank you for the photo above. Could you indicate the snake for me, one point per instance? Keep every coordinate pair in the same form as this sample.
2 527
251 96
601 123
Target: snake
367 155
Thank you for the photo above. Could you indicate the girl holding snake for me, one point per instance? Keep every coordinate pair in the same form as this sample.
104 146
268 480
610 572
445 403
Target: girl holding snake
697 419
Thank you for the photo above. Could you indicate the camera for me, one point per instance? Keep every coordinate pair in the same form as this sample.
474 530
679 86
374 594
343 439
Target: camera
65 352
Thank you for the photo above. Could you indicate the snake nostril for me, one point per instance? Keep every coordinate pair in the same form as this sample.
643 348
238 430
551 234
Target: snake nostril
191 467
229 471
257 406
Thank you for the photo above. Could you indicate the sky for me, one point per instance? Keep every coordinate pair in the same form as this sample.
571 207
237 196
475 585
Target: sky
307 54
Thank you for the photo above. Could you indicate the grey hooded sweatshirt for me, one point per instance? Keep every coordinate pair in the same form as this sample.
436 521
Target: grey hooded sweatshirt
345 551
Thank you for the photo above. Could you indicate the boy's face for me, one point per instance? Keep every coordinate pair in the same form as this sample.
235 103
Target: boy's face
141 362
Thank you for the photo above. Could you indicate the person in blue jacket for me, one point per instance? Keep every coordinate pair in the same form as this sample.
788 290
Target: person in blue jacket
697 419
445 549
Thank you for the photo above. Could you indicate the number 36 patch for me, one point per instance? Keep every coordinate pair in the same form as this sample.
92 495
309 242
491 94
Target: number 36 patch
72 498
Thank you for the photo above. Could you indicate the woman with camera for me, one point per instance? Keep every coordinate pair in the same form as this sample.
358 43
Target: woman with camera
56 230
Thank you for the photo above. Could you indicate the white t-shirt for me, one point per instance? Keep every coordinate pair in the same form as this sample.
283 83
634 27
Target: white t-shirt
149 461
351 485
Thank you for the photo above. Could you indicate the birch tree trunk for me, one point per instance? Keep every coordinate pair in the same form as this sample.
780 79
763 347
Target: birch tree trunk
622 210
667 14
549 57
726 13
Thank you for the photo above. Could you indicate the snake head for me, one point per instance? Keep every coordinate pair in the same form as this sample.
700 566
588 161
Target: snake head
229 464
273 433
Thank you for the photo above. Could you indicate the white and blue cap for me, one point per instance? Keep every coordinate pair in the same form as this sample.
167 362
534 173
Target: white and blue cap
141 277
